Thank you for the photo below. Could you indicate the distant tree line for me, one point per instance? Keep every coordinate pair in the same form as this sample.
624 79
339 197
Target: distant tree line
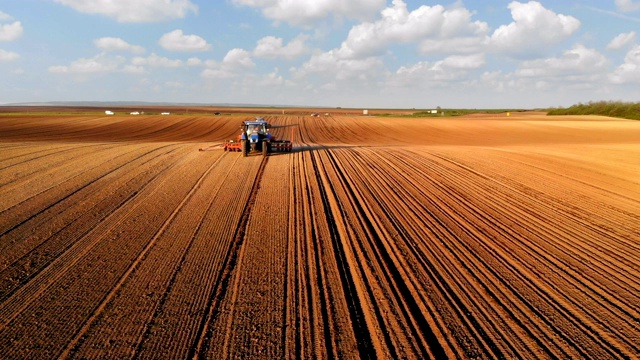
620 109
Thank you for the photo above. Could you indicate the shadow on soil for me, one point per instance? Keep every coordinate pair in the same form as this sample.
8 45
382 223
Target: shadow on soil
300 149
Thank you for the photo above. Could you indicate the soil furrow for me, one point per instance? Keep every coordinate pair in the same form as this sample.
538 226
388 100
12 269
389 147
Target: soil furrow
56 269
358 290
30 154
506 261
184 307
60 283
399 287
609 299
28 234
230 262
477 236
25 268
164 234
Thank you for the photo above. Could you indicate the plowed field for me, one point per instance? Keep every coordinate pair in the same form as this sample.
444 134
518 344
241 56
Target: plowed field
377 237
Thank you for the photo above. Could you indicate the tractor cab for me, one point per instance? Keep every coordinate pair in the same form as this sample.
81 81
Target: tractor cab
255 131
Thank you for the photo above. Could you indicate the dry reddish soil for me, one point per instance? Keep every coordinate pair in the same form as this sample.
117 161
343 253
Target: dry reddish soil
470 237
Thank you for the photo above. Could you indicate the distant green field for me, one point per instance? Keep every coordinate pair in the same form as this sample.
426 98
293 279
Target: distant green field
451 112
619 109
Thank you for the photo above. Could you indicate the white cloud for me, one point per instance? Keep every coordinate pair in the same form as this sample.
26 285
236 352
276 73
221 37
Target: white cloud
5 17
194 62
133 69
217 74
629 71
271 47
427 74
580 72
8 55
98 64
238 58
176 40
577 64
331 65
11 32
438 30
458 45
155 60
174 84
235 62
435 26
464 62
622 40
117 44
494 80
104 63
627 5
421 73
134 11
306 12
271 79
533 30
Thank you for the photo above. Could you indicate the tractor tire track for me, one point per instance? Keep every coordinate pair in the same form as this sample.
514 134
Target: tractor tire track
192 284
224 283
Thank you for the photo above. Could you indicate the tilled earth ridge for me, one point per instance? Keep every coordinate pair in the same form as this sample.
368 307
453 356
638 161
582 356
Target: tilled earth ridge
377 237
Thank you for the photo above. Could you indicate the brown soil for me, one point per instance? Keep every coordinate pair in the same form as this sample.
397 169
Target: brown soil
471 237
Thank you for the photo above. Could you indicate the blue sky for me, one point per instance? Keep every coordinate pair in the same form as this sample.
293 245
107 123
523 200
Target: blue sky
348 53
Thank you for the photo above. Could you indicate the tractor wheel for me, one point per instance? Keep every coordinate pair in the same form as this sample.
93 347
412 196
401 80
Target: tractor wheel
266 148
245 148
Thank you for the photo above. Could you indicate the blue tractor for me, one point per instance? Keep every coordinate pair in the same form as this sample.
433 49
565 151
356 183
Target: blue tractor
256 138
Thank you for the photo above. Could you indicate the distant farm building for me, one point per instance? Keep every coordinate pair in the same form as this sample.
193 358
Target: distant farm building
108 112
365 112
134 113
165 113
